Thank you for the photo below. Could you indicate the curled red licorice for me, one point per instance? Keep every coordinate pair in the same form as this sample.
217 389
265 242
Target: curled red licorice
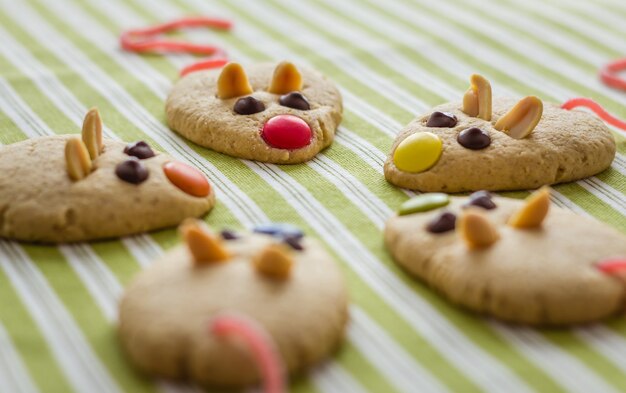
597 109
143 41
608 74
260 344
612 265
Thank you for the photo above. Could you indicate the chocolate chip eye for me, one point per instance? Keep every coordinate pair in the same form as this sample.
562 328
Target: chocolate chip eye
441 119
139 149
294 100
132 171
294 242
474 138
248 106
481 199
444 222
227 234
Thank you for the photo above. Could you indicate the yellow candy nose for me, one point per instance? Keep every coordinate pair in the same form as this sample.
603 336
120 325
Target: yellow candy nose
418 152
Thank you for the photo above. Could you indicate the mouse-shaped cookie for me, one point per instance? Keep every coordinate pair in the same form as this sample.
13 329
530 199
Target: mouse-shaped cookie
521 261
481 144
68 188
270 113
275 276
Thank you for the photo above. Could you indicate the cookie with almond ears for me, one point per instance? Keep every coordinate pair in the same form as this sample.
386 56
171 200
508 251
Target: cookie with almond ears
69 188
520 261
284 284
280 113
480 144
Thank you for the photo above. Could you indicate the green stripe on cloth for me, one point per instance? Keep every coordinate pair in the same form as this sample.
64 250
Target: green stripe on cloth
30 344
11 133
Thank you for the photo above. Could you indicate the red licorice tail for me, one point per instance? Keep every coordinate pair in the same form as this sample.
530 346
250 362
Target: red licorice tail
608 74
203 65
612 265
142 40
260 344
597 109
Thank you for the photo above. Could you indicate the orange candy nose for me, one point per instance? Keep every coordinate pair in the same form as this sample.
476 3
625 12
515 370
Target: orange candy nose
187 178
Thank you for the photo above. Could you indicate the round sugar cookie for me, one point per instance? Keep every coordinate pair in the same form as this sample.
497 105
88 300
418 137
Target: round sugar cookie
520 261
52 190
266 112
285 282
510 145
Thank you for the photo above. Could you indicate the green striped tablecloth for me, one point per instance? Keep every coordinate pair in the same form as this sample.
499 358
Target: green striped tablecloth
393 60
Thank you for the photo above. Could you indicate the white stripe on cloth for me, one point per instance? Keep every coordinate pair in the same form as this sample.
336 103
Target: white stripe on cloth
554 361
330 378
576 23
409 378
14 377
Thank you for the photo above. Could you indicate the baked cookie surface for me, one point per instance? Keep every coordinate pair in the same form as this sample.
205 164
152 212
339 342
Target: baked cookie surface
270 113
41 202
448 150
497 257
288 284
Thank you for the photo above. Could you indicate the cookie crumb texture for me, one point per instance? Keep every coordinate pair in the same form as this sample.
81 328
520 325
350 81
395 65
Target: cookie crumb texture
39 202
565 146
194 111
165 312
539 276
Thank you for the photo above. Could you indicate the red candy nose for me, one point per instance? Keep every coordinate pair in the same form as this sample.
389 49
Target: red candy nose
286 132
187 178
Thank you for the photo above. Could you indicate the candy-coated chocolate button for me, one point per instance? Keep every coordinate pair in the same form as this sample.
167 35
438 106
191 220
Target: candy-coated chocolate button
441 119
187 178
286 132
132 171
444 222
423 203
139 149
474 138
248 106
295 100
417 152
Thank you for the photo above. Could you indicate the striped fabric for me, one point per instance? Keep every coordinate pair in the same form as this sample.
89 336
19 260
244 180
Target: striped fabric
393 59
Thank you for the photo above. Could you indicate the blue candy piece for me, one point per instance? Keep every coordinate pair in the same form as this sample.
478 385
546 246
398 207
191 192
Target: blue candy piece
279 230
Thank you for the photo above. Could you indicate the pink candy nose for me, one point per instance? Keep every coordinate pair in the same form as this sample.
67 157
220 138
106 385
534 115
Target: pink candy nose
286 132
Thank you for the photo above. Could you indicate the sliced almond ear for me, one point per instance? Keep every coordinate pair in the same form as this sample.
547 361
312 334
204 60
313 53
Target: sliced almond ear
92 133
204 246
275 260
286 79
534 211
476 230
233 82
470 102
77 159
477 99
522 119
